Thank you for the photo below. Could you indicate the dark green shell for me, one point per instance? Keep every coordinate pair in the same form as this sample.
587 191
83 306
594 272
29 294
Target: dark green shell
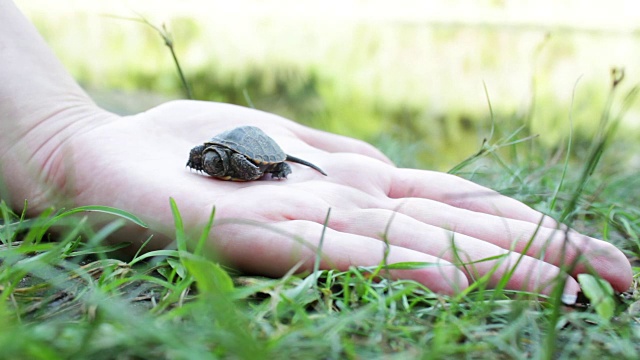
251 142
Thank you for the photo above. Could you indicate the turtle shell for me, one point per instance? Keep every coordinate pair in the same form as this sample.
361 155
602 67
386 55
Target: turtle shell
251 142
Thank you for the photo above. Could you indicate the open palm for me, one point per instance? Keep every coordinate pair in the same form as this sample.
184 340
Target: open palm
269 226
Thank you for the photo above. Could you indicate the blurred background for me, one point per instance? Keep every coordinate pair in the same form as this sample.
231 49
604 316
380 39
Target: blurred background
425 81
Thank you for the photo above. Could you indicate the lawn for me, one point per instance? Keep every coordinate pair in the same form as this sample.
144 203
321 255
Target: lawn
66 295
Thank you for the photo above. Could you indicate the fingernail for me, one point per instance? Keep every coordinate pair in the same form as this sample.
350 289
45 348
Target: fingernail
569 299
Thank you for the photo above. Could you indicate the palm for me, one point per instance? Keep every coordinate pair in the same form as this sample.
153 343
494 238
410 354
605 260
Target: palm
140 161
269 226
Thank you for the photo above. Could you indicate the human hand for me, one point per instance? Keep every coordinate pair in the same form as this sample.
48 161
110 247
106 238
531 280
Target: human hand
269 226
57 147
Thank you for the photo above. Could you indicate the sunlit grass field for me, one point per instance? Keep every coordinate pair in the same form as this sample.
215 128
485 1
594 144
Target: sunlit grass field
530 112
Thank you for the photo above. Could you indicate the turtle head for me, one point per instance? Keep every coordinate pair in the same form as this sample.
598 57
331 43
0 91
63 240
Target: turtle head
215 161
195 158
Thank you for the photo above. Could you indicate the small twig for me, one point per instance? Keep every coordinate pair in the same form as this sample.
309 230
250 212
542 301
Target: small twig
168 41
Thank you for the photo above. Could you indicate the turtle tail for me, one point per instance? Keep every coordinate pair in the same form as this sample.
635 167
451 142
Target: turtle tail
303 162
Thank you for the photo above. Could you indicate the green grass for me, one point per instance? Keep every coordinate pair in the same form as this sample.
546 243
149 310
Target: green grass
70 298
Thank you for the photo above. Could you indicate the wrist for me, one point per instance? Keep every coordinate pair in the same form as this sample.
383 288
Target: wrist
35 149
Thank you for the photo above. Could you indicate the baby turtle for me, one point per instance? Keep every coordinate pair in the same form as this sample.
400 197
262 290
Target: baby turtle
243 154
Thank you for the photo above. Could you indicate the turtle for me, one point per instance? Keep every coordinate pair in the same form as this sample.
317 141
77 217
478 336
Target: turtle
244 153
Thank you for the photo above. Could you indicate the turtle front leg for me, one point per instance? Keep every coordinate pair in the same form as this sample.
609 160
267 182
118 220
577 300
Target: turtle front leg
279 170
242 169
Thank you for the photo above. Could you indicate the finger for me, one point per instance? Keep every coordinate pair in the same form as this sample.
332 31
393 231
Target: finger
357 212
336 143
275 249
470 253
461 193
560 247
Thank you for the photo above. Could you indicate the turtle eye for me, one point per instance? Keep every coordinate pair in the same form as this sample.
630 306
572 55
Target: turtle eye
215 162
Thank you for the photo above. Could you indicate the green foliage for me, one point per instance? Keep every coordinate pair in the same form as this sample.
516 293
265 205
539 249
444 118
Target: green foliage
70 299
601 295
